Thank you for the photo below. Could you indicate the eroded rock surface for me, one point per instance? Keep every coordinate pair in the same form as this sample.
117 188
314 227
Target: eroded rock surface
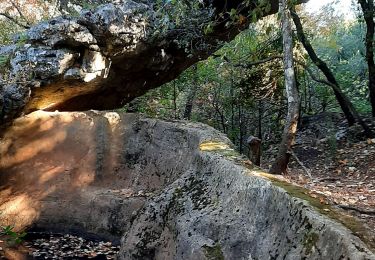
171 190
107 56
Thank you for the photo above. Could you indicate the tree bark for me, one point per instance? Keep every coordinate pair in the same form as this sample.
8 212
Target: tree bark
368 14
346 105
240 138
255 145
260 118
175 100
281 163
191 95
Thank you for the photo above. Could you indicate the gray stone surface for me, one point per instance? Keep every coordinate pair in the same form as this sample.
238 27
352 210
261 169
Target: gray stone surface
171 190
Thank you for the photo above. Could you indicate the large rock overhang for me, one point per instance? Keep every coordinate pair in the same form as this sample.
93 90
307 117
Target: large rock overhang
108 56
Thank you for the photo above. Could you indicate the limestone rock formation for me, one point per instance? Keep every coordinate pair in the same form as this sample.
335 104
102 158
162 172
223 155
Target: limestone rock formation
171 190
107 56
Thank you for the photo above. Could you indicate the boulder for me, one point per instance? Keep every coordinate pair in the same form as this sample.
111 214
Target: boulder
107 56
167 189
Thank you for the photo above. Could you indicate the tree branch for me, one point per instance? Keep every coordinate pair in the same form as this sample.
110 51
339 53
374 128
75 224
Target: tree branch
313 77
249 65
12 19
20 13
308 172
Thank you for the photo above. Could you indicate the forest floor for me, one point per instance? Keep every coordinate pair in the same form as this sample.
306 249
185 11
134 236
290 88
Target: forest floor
342 166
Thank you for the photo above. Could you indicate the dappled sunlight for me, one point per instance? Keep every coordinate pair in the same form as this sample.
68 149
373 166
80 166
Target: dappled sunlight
47 125
42 145
265 175
34 134
40 119
84 178
50 174
40 160
113 119
213 146
20 211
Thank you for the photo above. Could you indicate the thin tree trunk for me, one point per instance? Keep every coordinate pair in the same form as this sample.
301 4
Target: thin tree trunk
298 86
191 95
368 14
290 129
305 108
240 127
310 110
346 105
340 96
222 119
220 113
260 115
174 99
232 133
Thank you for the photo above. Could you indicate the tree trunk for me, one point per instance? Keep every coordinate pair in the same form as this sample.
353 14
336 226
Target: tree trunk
191 95
260 117
255 145
368 14
240 128
232 133
281 163
346 105
174 99
310 98
340 96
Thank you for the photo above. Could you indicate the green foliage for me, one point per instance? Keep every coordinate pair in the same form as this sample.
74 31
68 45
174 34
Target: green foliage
89 5
227 96
4 63
332 145
186 21
22 39
340 44
7 30
214 252
13 237
241 100
4 60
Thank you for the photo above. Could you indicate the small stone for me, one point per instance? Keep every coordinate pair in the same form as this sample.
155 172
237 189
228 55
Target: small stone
362 197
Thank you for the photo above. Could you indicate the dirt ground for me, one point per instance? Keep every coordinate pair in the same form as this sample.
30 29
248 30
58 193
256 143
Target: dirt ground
342 168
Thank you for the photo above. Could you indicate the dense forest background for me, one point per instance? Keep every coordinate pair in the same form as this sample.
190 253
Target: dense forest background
240 89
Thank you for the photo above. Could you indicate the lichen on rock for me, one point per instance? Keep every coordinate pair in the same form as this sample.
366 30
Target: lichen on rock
153 185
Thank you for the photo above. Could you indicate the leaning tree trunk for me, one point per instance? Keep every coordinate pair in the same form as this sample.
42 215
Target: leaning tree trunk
281 163
346 105
107 56
368 14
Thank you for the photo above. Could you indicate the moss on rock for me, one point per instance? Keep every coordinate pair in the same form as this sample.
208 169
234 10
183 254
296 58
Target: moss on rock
213 252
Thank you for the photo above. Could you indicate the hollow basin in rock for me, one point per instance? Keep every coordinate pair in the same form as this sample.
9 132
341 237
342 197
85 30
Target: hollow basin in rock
167 190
